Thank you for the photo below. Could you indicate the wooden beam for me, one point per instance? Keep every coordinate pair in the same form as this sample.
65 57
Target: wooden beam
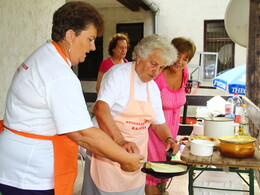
130 4
142 5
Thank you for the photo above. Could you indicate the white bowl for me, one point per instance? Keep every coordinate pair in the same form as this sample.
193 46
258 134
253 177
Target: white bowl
201 147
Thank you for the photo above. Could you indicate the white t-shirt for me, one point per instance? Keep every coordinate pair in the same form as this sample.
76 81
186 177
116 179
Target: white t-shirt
45 98
115 91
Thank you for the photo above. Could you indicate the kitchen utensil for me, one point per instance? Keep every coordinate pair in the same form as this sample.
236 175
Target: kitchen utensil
163 175
218 126
198 129
237 146
201 147
169 154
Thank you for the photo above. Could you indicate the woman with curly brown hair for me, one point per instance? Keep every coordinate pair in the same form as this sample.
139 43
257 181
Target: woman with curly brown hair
118 46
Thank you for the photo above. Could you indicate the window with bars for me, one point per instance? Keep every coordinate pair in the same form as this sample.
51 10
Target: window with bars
216 39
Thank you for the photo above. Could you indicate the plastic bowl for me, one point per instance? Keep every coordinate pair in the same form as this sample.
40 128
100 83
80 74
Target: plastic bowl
201 147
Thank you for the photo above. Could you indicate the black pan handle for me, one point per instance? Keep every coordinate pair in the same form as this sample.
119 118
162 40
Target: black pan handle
169 154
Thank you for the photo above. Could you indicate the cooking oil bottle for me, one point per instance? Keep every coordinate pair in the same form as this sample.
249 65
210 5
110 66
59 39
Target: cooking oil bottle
243 125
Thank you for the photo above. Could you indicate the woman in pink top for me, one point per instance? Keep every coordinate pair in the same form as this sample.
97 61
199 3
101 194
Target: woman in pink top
171 82
117 49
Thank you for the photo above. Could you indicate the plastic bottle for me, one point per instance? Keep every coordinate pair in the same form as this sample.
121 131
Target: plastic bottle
237 107
229 108
238 114
237 100
243 125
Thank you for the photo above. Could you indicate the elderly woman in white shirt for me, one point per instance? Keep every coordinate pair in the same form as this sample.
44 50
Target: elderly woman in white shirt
128 103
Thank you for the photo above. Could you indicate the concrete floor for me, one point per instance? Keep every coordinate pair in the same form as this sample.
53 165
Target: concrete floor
178 185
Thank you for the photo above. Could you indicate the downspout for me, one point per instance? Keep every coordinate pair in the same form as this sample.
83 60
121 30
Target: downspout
154 8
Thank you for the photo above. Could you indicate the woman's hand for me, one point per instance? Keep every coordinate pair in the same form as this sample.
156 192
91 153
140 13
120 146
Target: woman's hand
163 132
170 143
130 147
134 163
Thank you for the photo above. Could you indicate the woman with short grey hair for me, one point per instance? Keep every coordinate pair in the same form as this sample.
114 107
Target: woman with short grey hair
128 103
147 44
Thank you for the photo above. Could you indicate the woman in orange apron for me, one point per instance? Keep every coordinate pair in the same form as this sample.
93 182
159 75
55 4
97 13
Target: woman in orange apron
46 115
134 104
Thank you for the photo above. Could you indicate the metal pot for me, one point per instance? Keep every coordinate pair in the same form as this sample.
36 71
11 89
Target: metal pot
218 126
237 146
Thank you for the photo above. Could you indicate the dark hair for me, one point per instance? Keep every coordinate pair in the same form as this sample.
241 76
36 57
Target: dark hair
184 45
113 42
77 16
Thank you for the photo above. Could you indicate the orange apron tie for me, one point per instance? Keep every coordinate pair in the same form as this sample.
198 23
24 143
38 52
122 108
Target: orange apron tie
65 160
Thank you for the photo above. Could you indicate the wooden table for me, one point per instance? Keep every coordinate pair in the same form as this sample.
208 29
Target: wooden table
217 162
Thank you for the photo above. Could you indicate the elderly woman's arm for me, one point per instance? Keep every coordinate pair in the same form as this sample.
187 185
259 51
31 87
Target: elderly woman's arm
96 141
163 132
107 124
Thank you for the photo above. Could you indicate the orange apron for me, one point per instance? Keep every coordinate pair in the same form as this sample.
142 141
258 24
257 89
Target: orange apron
133 124
65 154
65 160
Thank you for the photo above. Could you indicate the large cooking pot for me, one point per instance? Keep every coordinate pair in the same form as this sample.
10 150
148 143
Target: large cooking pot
218 126
237 146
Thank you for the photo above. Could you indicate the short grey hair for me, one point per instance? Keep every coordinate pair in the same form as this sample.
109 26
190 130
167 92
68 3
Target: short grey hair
146 46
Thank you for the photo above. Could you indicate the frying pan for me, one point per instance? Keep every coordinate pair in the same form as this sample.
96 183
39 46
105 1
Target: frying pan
161 175
168 161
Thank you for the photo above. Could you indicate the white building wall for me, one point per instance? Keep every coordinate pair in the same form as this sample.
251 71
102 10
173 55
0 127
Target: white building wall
25 25
186 18
175 18
112 17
